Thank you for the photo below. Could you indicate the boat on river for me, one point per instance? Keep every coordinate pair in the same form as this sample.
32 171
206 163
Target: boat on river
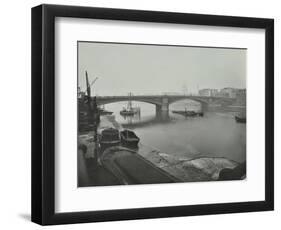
130 110
129 138
126 112
188 113
240 119
105 112
109 137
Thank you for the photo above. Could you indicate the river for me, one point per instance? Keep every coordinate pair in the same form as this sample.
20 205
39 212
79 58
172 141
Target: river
215 135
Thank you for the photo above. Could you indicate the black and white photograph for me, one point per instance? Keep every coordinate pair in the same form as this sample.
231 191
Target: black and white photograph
151 113
140 113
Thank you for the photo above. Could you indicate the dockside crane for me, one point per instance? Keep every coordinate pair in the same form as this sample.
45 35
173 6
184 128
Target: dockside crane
89 85
93 115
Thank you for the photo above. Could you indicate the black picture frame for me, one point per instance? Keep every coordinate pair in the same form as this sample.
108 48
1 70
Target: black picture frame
43 113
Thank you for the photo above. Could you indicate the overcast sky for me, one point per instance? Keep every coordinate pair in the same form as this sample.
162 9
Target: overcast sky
150 69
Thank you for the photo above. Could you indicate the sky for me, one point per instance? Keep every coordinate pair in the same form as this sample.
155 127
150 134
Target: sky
152 69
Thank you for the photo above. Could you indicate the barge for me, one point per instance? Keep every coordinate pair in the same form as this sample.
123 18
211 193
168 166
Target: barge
129 138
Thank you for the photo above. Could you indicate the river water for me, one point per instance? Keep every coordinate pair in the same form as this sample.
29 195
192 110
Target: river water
215 135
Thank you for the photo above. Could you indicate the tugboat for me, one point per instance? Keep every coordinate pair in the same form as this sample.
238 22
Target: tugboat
187 113
129 111
129 138
109 137
241 118
103 111
126 112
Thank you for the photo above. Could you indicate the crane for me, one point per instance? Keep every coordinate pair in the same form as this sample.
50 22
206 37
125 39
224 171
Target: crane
88 84
94 81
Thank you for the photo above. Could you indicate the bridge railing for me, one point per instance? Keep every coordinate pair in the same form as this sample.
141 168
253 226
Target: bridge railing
161 95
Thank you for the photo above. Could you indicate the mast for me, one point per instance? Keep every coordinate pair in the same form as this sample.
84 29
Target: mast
88 85
129 107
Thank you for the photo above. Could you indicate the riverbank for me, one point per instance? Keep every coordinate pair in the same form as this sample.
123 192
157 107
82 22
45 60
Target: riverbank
198 167
195 169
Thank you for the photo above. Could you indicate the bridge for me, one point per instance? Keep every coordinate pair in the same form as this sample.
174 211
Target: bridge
162 102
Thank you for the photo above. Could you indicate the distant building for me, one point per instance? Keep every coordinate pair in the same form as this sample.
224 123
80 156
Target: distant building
171 93
208 92
241 96
228 92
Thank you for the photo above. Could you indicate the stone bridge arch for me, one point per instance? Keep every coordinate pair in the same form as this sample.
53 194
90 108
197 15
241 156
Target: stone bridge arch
162 102
204 103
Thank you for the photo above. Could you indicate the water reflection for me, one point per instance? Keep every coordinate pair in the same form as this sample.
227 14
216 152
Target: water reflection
148 112
131 119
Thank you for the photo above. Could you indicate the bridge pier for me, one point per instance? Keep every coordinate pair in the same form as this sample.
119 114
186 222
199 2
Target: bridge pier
162 111
204 107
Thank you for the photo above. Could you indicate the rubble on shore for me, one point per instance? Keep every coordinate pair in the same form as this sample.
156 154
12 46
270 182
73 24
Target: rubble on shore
196 168
190 169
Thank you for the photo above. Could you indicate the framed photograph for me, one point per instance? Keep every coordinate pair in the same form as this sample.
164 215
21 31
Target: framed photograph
144 114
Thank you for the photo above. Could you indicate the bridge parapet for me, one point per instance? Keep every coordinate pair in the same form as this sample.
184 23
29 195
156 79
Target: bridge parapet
163 101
